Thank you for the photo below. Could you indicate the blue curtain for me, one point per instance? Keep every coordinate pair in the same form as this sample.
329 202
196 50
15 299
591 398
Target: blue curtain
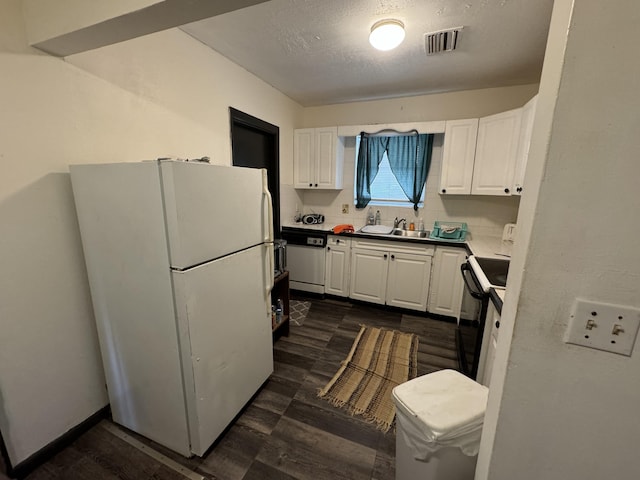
369 157
409 157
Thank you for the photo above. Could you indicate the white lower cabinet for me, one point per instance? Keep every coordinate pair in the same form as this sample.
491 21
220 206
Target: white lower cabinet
391 273
408 280
445 297
338 266
369 275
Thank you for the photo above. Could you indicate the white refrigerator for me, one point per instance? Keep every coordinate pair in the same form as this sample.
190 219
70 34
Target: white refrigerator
179 257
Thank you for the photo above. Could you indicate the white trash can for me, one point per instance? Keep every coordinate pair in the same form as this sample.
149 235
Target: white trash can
439 420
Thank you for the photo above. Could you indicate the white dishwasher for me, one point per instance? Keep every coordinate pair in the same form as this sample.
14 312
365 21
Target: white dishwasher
306 259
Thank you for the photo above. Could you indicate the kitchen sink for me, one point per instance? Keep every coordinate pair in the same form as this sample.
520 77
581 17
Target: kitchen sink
410 233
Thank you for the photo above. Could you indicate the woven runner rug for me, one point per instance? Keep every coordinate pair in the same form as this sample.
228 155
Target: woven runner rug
379 360
298 310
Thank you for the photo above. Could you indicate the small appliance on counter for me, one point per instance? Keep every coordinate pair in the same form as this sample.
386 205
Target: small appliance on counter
451 231
508 237
313 219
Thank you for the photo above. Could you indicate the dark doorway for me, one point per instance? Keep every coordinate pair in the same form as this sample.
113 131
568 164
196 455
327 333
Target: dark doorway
256 144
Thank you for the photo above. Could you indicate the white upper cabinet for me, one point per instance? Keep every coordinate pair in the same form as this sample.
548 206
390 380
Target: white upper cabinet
487 156
526 127
496 150
318 158
303 157
458 156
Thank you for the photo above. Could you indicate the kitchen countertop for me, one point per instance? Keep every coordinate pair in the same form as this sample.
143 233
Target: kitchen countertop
485 246
323 227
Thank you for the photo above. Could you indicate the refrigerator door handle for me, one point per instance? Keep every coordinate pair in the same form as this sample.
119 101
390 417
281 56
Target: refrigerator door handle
269 281
269 205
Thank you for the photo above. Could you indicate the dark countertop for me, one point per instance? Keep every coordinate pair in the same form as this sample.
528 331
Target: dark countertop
373 236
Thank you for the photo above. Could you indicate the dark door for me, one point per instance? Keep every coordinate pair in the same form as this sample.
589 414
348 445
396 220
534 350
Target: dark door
256 144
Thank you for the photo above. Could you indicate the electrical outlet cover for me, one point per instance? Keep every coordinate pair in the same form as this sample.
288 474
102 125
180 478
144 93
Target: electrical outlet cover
603 326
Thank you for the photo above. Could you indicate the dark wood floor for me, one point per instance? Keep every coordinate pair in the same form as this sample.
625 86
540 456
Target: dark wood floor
286 432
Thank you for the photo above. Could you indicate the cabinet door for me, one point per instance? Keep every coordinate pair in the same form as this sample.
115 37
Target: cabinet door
329 158
303 155
336 281
368 275
408 281
445 296
458 156
496 150
524 140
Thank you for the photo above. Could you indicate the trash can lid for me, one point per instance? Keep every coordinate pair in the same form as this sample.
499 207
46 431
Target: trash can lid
444 404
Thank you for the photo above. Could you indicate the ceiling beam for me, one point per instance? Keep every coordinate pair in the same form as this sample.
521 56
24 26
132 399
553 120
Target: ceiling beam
65 27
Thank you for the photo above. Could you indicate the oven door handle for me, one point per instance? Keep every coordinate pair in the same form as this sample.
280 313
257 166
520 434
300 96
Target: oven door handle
477 294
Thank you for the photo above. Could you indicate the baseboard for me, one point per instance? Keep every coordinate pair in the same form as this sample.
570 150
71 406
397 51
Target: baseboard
306 293
25 467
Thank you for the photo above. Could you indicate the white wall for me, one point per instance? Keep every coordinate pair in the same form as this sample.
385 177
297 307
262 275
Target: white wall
171 69
421 108
171 97
562 411
485 215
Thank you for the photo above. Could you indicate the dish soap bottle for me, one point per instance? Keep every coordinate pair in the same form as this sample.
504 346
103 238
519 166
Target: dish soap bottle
279 312
421 225
378 217
370 218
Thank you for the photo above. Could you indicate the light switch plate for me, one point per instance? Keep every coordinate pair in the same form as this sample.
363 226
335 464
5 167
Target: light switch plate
603 326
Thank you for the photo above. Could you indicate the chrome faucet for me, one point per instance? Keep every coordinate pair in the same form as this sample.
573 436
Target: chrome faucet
396 222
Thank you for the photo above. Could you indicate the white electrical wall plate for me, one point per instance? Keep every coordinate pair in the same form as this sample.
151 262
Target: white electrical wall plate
603 326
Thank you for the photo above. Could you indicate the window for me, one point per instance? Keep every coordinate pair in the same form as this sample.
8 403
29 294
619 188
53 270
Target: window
385 189
392 170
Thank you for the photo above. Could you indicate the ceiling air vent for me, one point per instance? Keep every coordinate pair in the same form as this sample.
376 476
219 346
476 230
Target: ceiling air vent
442 41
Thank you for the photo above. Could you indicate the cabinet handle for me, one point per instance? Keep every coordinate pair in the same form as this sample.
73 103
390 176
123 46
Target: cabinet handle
444 190
519 189
506 190
328 248
385 255
393 257
497 323
316 185
311 184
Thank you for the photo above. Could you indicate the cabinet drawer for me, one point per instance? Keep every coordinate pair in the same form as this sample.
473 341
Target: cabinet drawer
391 246
335 241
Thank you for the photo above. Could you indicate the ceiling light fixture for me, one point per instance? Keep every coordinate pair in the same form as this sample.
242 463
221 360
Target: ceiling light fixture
386 34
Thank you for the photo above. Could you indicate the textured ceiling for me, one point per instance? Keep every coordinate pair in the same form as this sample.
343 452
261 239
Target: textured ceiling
317 51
